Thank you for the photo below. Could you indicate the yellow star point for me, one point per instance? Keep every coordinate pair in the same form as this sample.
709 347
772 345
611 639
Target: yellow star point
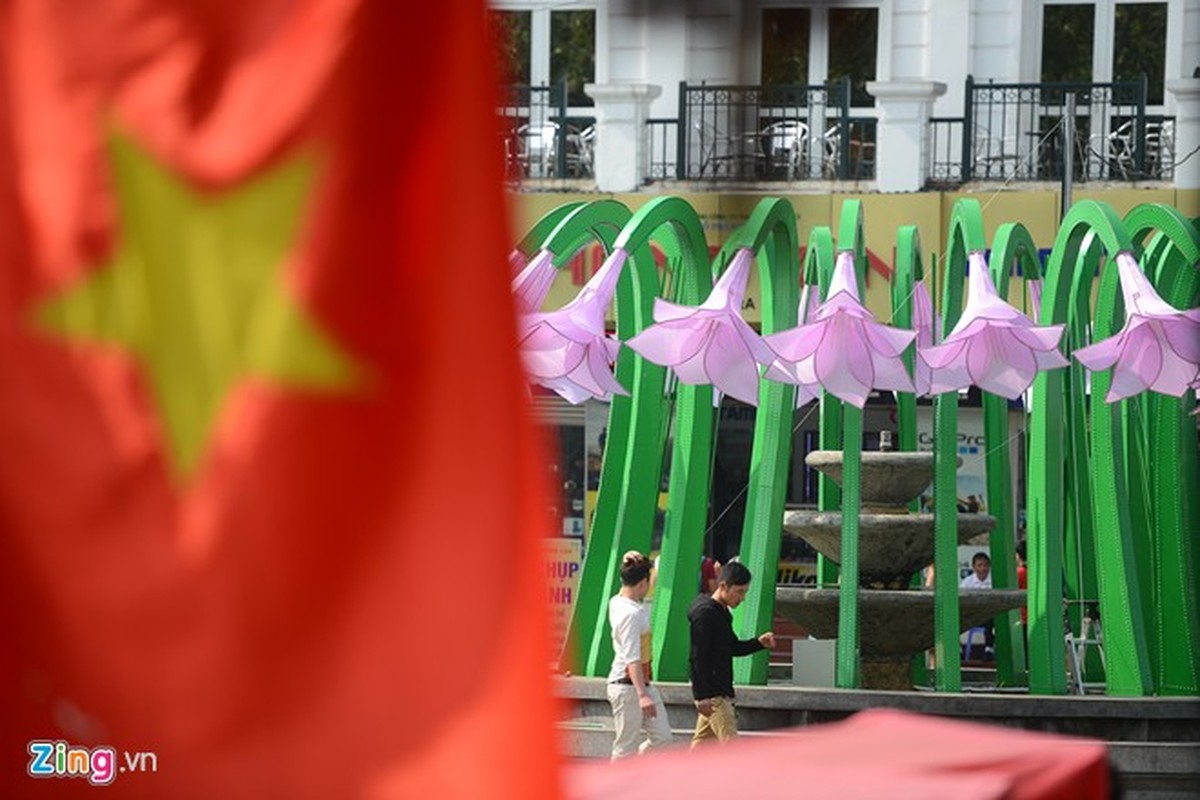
195 291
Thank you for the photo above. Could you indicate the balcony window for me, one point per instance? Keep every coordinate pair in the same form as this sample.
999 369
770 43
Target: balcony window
853 43
819 44
1140 46
540 47
573 53
786 33
1106 41
1067 34
510 36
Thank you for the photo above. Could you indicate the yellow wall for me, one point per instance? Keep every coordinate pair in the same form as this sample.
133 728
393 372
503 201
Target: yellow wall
722 212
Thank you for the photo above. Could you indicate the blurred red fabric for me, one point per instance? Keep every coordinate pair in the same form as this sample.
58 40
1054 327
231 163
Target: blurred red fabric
874 754
288 621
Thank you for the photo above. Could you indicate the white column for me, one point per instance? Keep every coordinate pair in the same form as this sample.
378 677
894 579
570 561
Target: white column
902 139
1187 131
621 138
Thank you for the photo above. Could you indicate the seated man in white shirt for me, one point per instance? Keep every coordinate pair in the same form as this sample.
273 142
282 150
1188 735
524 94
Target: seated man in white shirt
981 578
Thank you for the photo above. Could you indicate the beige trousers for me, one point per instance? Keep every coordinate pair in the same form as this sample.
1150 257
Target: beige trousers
720 725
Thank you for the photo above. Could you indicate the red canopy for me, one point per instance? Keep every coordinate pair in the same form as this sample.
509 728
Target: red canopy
876 753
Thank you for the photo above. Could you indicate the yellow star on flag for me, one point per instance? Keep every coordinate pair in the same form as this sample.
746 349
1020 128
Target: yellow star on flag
195 292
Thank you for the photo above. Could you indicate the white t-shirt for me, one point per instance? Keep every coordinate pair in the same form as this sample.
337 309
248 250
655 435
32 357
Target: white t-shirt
630 622
972 582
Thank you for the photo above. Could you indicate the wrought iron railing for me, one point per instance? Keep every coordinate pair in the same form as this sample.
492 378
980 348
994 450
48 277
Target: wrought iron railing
764 133
1016 132
787 133
543 139
662 134
945 151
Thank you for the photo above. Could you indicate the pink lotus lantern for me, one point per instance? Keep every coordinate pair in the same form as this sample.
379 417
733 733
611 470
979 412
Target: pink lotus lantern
1157 349
568 350
994 346
532 283
710 343
845 350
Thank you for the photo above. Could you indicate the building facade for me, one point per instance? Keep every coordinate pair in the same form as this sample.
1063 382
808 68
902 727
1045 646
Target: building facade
916 111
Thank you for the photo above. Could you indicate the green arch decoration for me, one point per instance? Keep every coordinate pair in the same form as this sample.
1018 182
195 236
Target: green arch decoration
1068 284
1168 443
1150 432
1011 246
770 233
631 475
1174 258
624 513
675 223
531 242
966 235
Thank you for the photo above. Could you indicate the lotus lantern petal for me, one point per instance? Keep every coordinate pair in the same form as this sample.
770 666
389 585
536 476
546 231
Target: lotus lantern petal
709 343
1157 349
568 351
994 346
845 349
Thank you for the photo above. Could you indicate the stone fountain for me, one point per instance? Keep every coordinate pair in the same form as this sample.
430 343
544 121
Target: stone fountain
895 622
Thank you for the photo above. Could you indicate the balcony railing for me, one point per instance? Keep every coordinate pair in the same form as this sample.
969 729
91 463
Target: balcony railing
777 133
663 134
796 133
543 139
1017 131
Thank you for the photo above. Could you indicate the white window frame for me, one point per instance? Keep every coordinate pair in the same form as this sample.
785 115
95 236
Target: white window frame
818 42
1105 15
539 34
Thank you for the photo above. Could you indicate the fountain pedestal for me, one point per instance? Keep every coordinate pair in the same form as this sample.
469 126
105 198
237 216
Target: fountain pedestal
895 622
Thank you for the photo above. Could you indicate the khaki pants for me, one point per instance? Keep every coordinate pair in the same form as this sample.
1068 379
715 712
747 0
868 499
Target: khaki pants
629 724
721 725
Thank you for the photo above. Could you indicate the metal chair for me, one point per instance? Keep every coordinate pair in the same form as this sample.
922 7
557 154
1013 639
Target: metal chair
1089 634
580 150
784 144
536 149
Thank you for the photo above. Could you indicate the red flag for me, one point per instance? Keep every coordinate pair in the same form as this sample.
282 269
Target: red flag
270 507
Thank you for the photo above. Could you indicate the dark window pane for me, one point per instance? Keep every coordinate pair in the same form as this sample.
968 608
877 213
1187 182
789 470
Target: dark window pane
1140 46
1067 33
785 45
853 40
573 53
510 36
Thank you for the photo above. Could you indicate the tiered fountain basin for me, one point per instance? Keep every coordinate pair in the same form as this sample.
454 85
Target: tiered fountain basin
889 479
892 623
891 547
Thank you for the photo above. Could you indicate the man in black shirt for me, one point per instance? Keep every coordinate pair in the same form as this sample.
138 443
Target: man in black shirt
713 647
